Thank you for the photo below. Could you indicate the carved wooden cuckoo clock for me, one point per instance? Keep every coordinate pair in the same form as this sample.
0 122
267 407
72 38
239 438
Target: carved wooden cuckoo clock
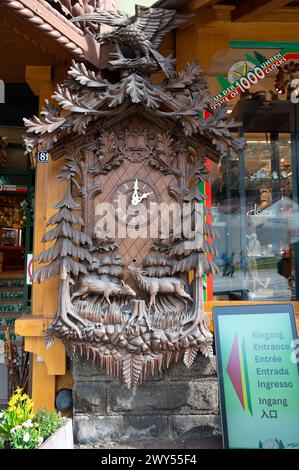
134 157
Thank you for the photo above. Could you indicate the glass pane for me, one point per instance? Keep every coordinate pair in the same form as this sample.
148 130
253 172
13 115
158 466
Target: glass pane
254 198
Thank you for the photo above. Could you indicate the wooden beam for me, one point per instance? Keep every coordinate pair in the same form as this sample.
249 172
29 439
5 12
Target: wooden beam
253 11
194 5
283 15
49 28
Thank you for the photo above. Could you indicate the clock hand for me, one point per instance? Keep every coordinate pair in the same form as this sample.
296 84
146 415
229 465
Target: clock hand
135 197
145 195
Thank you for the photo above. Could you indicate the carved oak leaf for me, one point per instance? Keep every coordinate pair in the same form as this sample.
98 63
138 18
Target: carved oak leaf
71 102
108 156
190 355
201 172
219 128
194 194
190 77
80 123
50 110
85 77
42 125
71 168
165 153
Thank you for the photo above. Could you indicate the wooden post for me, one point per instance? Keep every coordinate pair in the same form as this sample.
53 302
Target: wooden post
46 363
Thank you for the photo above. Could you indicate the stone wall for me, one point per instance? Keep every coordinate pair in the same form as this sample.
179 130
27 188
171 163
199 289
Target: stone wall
177 405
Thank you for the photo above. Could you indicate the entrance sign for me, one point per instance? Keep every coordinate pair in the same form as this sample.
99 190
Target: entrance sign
258 377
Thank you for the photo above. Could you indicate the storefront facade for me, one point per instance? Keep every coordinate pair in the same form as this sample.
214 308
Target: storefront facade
254 196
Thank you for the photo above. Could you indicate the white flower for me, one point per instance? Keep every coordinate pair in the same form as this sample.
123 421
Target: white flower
1 414
12 430
28 424
40 440
26 437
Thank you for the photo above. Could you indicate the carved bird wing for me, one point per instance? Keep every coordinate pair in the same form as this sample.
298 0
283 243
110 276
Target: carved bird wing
110 18
156 22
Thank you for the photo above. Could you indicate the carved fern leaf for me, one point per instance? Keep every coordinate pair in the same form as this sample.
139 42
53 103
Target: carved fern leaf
190 355
49 337
131 371
135 88
206 347
41 125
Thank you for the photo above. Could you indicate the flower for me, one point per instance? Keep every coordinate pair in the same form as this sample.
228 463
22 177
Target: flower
26 437
28 424
1 415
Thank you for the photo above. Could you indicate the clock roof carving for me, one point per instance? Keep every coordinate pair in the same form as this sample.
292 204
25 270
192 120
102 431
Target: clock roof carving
182 99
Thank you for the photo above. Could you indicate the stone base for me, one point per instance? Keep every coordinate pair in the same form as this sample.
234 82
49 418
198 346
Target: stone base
177 405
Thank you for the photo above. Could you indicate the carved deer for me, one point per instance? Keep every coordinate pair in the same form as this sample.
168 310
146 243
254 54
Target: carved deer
163 285
92 284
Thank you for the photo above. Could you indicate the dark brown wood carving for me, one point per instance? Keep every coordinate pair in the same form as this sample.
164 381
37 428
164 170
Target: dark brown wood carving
125 301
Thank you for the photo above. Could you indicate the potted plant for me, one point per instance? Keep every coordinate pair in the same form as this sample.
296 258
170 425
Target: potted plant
21 428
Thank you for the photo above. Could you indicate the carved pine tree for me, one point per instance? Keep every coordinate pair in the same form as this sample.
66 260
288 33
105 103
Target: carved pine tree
66 257
194 252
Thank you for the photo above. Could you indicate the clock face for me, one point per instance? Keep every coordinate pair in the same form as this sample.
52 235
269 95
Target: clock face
135 202
239 70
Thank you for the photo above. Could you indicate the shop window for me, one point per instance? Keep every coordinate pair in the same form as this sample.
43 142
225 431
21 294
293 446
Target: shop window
255 198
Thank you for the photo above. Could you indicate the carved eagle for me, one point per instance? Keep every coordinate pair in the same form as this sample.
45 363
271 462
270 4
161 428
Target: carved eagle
141 33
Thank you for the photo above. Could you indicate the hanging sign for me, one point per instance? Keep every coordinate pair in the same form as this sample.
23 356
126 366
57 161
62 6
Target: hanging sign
258 376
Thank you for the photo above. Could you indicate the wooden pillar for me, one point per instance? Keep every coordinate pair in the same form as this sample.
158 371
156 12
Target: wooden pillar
48 190
199 43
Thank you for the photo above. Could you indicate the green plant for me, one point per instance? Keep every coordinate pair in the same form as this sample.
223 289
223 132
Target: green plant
19 411
20 428
25 437
48 422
